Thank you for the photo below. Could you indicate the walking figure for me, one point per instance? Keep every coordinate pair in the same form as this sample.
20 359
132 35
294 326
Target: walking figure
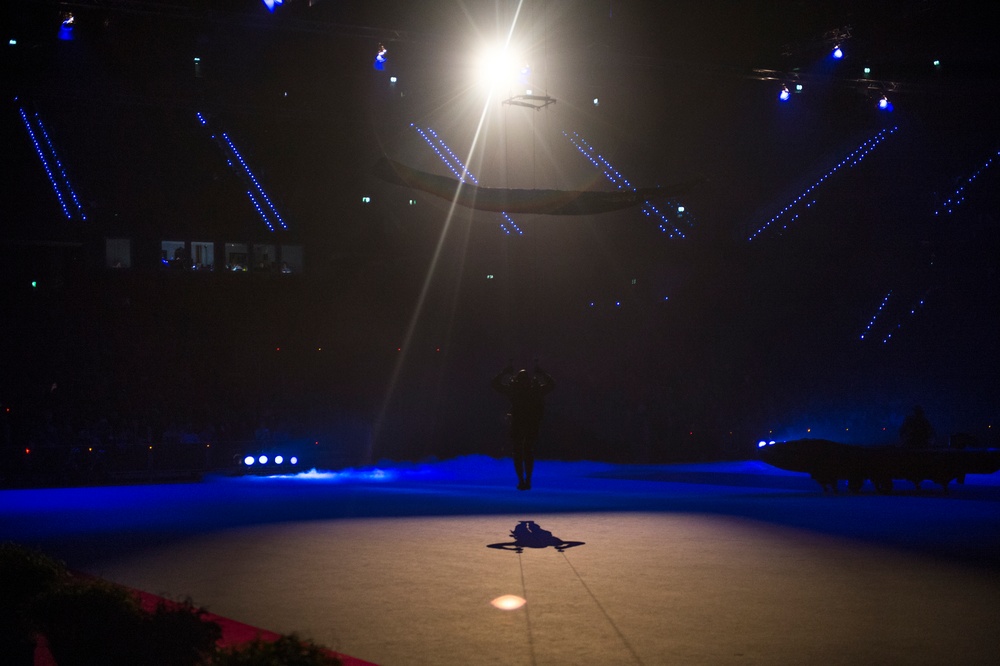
527 405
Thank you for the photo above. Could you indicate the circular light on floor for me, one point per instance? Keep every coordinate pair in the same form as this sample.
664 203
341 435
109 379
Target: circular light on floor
508 602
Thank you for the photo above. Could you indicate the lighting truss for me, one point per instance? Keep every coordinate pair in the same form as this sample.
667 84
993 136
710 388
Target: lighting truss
598 161
54 168
462 173
793 211
255 192
957 197
535 102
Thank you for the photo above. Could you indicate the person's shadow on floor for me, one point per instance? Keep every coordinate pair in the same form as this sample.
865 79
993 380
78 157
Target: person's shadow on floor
528 534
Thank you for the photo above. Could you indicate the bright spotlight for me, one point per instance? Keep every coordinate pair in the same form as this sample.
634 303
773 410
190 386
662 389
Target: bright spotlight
293 460
272 4
761 444
838 52
784 95
884 104
381 57
249 460
497 69
278 460
262 460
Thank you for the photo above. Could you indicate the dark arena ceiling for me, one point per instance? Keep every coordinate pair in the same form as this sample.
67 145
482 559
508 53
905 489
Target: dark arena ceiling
836 263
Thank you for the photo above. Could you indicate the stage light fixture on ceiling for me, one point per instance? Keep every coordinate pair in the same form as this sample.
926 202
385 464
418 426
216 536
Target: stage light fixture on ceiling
381 56
272 4
66 26
784 95
884 104
838 52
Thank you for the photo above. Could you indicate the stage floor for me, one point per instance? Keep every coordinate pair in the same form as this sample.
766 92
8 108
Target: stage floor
712 563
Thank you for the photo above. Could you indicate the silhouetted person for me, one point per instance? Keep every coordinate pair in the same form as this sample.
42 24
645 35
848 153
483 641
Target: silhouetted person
916 431
527 405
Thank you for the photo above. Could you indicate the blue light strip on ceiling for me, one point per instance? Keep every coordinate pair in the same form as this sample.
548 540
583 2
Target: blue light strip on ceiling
260 211
899 325
619 181
871 323
457 167
61 171
256 184
957 197
53 168
258 197
804 199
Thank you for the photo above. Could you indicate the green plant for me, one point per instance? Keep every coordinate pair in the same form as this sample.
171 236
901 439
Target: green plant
24 575
288 650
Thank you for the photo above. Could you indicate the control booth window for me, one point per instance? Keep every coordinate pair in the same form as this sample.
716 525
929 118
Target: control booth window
173 254
202 256
291 259
236 257
264 257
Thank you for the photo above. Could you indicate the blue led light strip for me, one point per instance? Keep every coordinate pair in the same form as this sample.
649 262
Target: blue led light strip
853 159
619 181
260 189
455 165
871 323
260 211
957 197
53 168
258 197
912 313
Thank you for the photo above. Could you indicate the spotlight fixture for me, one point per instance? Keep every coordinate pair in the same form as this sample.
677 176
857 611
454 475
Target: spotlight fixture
884 104
784 95
67 21
838 52
381 56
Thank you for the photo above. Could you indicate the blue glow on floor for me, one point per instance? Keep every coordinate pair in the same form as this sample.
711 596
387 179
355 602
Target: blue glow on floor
97 521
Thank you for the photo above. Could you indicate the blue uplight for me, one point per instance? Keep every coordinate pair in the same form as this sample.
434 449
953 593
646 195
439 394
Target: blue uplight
838 52
784 95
